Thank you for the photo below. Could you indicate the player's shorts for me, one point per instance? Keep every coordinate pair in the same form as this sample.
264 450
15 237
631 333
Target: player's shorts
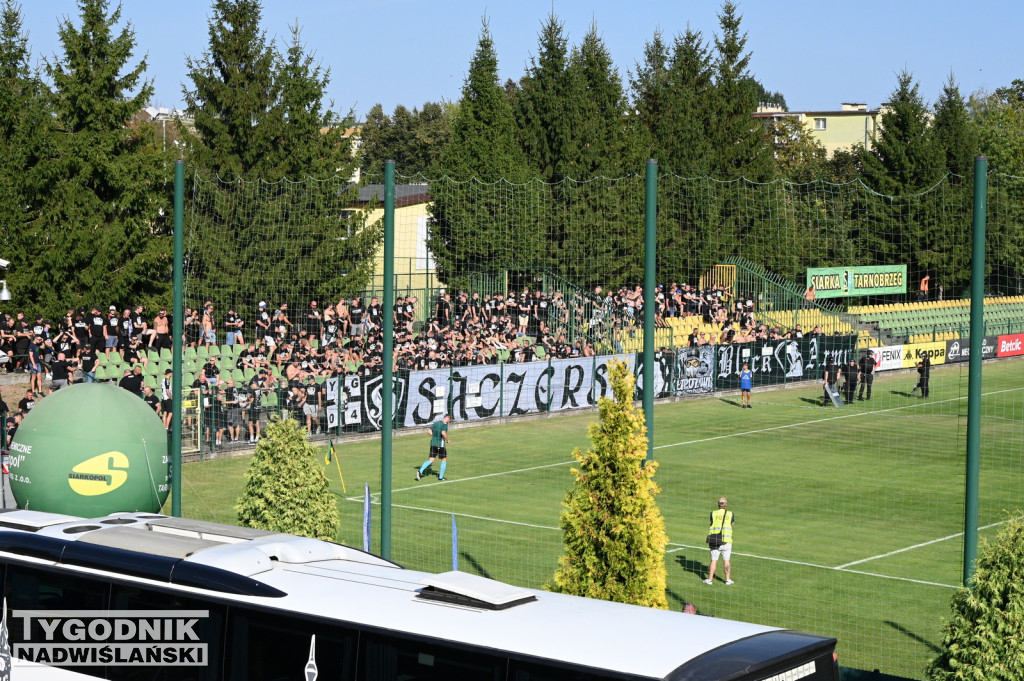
438 452
725 550
744 390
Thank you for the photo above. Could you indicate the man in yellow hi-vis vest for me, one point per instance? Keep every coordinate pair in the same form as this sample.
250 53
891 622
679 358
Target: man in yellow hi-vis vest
722 521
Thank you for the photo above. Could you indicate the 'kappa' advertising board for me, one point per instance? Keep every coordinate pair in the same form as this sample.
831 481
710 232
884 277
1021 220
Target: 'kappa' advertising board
1011 346
935 351
960 350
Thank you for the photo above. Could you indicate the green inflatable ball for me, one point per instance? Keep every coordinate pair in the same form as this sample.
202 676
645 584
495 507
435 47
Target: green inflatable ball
90 450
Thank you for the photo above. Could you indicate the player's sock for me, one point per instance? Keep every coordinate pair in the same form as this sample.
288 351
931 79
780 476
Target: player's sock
444 464
425 466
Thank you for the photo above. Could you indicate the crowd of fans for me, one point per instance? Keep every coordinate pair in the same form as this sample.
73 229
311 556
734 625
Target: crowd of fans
288 350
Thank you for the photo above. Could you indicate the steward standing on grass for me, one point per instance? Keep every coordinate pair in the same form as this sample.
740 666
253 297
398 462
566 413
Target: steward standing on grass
867 373
438 447
829 375
850 375
746 383
722 521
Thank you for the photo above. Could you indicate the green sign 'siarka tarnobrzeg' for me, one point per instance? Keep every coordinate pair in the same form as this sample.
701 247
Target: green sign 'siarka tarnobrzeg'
840 282
90 450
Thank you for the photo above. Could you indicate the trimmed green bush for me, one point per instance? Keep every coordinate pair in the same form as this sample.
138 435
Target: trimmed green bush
285 488
984 638
613 531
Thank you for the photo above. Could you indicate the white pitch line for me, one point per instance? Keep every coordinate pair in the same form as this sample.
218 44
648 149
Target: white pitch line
827 419
824 567
477 517
469 479
915 546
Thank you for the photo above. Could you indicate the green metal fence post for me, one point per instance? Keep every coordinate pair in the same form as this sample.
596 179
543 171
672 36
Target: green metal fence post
177 325
974 369
387 382
650 296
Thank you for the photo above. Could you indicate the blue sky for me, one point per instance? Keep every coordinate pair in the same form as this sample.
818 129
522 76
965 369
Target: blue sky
413 51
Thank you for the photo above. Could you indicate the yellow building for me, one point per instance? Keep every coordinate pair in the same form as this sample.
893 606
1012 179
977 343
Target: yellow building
415 271
853 124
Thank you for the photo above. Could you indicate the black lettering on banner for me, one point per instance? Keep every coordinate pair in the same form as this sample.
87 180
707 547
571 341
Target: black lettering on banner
570 389
542 389
426 389
482 411
600 378
458 396
519 380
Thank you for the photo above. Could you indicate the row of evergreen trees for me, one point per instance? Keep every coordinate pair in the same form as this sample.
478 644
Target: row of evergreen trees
86 190
87 183
570 119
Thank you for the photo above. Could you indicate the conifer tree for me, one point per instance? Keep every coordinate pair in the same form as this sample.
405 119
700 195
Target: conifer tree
613 531
24 134
675 101
286 489
485 232
738 141
982 639
233 93
412 139
98 230
542 105
904 159
597 214
260 117
954 132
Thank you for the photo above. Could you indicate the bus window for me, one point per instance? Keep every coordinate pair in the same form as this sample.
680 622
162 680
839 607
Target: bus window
209 631
36 589
274 646
384 658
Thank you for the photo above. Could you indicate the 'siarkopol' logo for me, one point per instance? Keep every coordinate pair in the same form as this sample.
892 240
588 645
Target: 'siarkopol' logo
137 638
100 474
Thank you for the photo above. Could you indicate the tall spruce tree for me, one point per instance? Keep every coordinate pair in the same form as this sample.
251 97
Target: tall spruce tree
542 105
234 97
24 134
738 140
613 531
260 118
954 132
598 235
97 231
905 160
482 232
675 102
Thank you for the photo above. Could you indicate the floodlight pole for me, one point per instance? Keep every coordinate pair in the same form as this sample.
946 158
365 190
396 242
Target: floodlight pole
650 296
388 357
973 471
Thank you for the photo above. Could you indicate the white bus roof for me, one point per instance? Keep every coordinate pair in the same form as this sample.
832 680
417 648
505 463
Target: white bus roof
331 581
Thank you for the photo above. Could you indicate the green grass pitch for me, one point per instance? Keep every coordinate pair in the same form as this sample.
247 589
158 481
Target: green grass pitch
849 520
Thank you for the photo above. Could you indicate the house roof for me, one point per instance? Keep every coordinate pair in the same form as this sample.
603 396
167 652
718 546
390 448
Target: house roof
405 194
